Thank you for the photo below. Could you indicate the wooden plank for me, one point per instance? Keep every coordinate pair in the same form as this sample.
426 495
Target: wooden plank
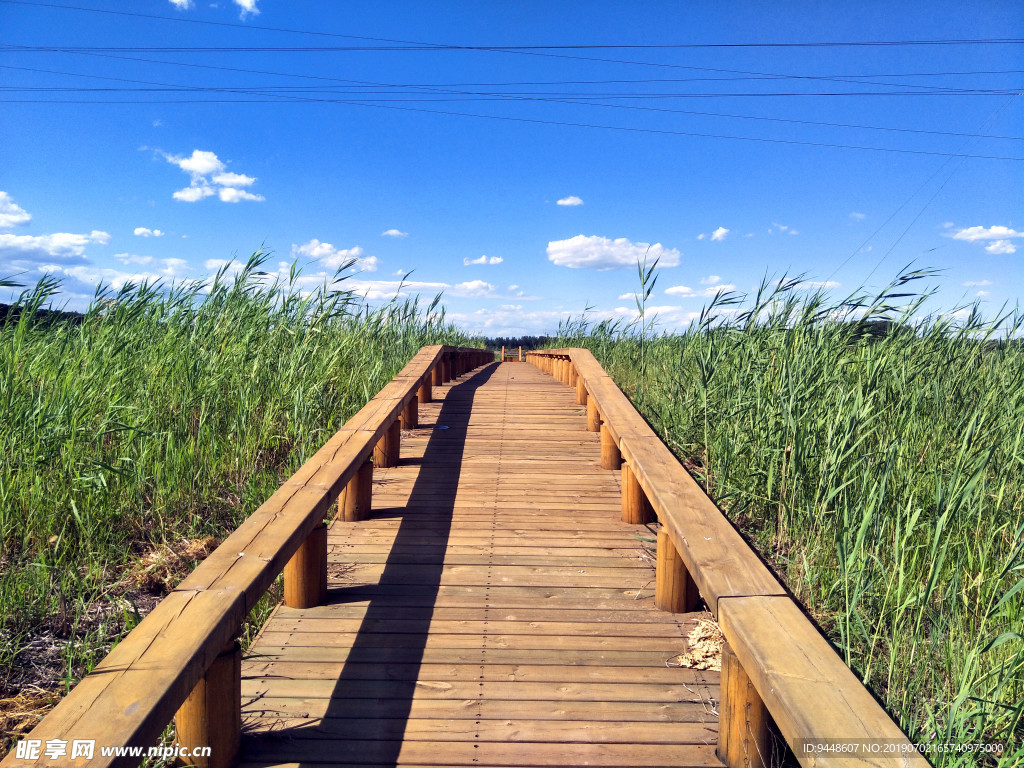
809 691
268 750
258 711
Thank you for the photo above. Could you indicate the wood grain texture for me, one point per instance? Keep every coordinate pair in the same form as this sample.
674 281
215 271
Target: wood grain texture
492 610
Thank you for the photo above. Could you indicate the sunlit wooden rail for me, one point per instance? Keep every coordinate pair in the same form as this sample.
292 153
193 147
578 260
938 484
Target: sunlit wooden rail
479 599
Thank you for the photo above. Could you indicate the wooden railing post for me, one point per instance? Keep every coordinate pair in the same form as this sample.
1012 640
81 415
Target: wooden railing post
744 740
581 391
636 509
437 374
211 716
305 575
611 458
520 353
423 394
674 590
573 376
389 448
593 417
356 500
410 418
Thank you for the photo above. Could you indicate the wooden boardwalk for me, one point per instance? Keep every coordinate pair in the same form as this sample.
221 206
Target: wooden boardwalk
494 610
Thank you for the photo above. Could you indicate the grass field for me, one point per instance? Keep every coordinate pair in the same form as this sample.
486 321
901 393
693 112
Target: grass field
137 436
877 463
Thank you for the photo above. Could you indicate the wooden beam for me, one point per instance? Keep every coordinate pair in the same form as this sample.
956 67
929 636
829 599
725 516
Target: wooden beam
675 589
211 716
744 740
305 576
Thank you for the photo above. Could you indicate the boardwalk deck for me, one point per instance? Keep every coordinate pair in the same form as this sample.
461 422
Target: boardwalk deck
493 611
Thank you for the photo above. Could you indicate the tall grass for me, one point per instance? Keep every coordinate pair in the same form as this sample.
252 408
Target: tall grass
165 414
875 455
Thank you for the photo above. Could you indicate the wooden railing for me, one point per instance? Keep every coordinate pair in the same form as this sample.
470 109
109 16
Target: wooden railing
776 666
183 660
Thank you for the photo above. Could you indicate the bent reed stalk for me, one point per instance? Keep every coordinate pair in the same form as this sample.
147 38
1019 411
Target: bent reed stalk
165 413
874 455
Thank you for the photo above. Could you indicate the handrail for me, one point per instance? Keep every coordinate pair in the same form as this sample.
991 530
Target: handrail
183 656
776 666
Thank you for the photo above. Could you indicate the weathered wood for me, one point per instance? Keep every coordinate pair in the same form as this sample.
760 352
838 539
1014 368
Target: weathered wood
675 590
744 740
356 501
305 575
211 716
581 391
635 507
611 458
388 449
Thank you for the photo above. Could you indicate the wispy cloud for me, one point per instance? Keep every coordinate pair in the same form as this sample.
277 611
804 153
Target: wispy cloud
59 245
601 253
147 232
571 200
333 258
686 292
977 283
710 280
394 233
858 216
483 260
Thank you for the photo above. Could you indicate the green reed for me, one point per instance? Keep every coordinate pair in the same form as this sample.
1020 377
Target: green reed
166 413
875 455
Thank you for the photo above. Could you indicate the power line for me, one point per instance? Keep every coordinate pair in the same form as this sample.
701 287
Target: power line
393 87
409 44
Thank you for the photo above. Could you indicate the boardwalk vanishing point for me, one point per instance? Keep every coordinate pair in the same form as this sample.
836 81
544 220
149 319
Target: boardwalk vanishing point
468 582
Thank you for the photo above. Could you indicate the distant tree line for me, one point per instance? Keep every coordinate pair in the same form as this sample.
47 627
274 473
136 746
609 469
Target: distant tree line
514 342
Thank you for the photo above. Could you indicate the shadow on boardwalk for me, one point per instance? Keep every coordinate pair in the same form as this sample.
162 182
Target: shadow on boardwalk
365 719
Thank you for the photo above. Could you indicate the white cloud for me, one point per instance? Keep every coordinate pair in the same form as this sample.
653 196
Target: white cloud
977 283
973 234
623 296
719 234
398 272
12 214
601 253
702 236
710 280
858 216
472 288
947 225
60 245
232 195
116 278
513 287
209 177
199 163
394 233
813 285
233 180
710 291
375 290
131 258
570 200
333 258
147 232
982 294
483 260
1000 246
248 7
193 193
182 5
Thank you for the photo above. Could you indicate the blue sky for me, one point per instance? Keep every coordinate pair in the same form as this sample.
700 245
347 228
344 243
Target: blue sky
168 137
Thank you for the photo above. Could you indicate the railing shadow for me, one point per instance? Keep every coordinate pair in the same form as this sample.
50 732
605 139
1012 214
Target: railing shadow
370 704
